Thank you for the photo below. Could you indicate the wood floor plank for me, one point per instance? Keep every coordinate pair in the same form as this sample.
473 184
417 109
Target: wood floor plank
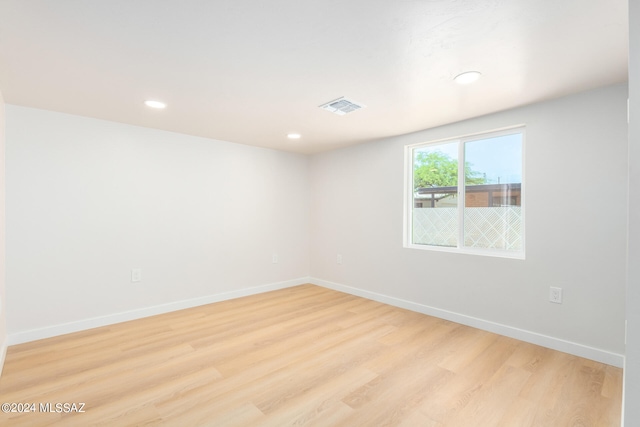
520 411
317 403
304 356
494 399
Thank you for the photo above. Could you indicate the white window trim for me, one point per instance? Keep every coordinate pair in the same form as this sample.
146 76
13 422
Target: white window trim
408 196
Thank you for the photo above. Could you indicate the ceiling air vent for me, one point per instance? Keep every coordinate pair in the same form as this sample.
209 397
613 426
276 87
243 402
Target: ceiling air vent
341 106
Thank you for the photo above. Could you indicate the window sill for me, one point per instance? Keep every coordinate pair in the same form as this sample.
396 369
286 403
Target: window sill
497 253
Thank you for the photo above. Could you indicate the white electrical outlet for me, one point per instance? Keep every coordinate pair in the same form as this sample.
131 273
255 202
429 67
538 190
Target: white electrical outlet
555 295
136 274
274 258
339 259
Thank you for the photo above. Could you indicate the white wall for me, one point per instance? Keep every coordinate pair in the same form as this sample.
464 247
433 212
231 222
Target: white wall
576 155
3 310
89 200
632 358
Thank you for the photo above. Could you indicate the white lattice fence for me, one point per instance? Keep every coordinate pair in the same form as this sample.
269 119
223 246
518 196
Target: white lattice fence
497 227
437 226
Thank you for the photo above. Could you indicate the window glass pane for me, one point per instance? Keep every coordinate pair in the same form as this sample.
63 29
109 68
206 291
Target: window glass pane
493 198
435 195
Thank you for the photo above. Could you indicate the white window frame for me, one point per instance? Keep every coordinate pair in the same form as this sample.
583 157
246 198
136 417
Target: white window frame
409 194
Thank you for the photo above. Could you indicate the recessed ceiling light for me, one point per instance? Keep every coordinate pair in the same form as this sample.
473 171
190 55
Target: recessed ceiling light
467 77
155 104
294 136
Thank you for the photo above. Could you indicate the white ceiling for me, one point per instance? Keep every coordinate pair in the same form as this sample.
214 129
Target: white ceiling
251 71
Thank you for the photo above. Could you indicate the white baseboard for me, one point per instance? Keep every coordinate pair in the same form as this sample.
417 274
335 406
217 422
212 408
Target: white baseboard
576 349
81 325
581 350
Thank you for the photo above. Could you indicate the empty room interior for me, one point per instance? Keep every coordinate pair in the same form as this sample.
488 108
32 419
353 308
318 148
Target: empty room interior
357 213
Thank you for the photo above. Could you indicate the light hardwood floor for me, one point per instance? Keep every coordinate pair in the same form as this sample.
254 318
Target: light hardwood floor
304 356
